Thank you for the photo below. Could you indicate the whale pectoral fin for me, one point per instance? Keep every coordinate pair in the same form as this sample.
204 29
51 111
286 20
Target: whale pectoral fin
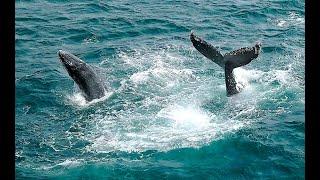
241 56
207 49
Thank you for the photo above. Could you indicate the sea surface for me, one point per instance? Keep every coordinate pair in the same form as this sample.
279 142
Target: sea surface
166 114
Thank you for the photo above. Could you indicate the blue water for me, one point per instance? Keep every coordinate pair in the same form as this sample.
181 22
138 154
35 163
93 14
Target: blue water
166 114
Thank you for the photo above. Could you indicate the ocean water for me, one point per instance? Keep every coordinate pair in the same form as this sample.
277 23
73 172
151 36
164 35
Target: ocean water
166 114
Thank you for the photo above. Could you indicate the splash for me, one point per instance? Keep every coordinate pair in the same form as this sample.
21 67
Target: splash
188 118
172 111
79 100
180 127
171 114
293 19
68 163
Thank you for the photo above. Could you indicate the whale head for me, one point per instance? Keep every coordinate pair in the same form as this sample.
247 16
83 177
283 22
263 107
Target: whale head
84 76
73 64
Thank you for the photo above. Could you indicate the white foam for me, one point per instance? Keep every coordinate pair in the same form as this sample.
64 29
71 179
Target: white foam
78 99
181 121
172 113
140 77
244 76
281 23
181 126
186 117
293 19
68 163
162 74
248 76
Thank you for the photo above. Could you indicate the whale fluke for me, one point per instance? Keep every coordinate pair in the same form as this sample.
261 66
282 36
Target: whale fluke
207 49
229 61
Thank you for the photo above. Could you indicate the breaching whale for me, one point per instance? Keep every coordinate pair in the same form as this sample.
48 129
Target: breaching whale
229 61
85 77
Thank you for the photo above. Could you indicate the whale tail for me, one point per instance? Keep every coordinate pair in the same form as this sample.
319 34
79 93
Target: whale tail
229 61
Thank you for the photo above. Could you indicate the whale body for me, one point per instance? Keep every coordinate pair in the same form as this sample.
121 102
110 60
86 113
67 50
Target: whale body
88 81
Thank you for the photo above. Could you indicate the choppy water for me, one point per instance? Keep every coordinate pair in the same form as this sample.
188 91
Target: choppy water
166 114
